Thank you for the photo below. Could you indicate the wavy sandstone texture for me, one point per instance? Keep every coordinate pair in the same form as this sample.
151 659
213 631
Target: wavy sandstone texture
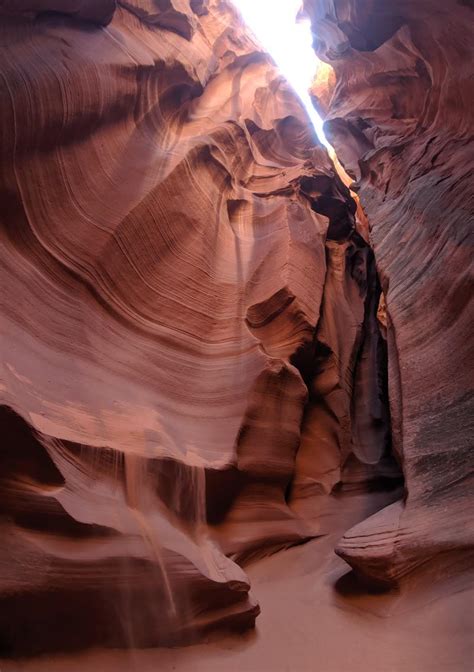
399 112
192 358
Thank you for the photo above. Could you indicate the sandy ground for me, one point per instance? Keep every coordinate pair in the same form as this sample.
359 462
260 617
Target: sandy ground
314 619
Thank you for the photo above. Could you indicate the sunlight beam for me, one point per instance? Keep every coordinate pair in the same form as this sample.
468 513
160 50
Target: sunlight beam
289 42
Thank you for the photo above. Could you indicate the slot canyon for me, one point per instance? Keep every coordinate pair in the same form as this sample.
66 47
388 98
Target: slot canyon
237 375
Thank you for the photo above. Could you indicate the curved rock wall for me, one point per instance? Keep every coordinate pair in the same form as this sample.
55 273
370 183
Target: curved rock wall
192 360
400 116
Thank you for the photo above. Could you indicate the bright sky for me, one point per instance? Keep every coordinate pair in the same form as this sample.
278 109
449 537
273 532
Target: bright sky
274 24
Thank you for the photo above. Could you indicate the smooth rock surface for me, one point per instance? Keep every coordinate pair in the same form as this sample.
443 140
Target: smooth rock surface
399 112
188 308
315 616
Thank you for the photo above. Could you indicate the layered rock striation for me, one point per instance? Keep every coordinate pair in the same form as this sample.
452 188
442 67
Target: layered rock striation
399 112
192 361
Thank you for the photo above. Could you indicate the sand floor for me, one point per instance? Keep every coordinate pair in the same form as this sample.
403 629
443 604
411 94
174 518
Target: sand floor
314 619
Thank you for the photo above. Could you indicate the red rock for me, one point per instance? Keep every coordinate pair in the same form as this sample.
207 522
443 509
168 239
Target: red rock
186 299
400 118
197 321
99 12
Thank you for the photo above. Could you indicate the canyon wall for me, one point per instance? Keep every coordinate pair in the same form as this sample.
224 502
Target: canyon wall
193 370
399 111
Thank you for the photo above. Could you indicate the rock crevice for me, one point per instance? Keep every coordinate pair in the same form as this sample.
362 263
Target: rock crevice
199 358
399 113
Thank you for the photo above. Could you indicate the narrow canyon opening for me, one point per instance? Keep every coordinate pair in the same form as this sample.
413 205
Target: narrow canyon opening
236 380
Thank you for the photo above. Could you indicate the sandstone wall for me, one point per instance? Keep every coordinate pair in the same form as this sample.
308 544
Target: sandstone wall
400 115
188 305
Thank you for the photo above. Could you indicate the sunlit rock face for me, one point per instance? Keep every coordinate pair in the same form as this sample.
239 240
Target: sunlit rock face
192 361
400 115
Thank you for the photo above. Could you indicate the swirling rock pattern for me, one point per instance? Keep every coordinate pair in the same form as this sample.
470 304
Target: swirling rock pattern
191 356
400 115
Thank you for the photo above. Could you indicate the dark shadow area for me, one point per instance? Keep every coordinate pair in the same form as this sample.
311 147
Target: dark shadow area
352 584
